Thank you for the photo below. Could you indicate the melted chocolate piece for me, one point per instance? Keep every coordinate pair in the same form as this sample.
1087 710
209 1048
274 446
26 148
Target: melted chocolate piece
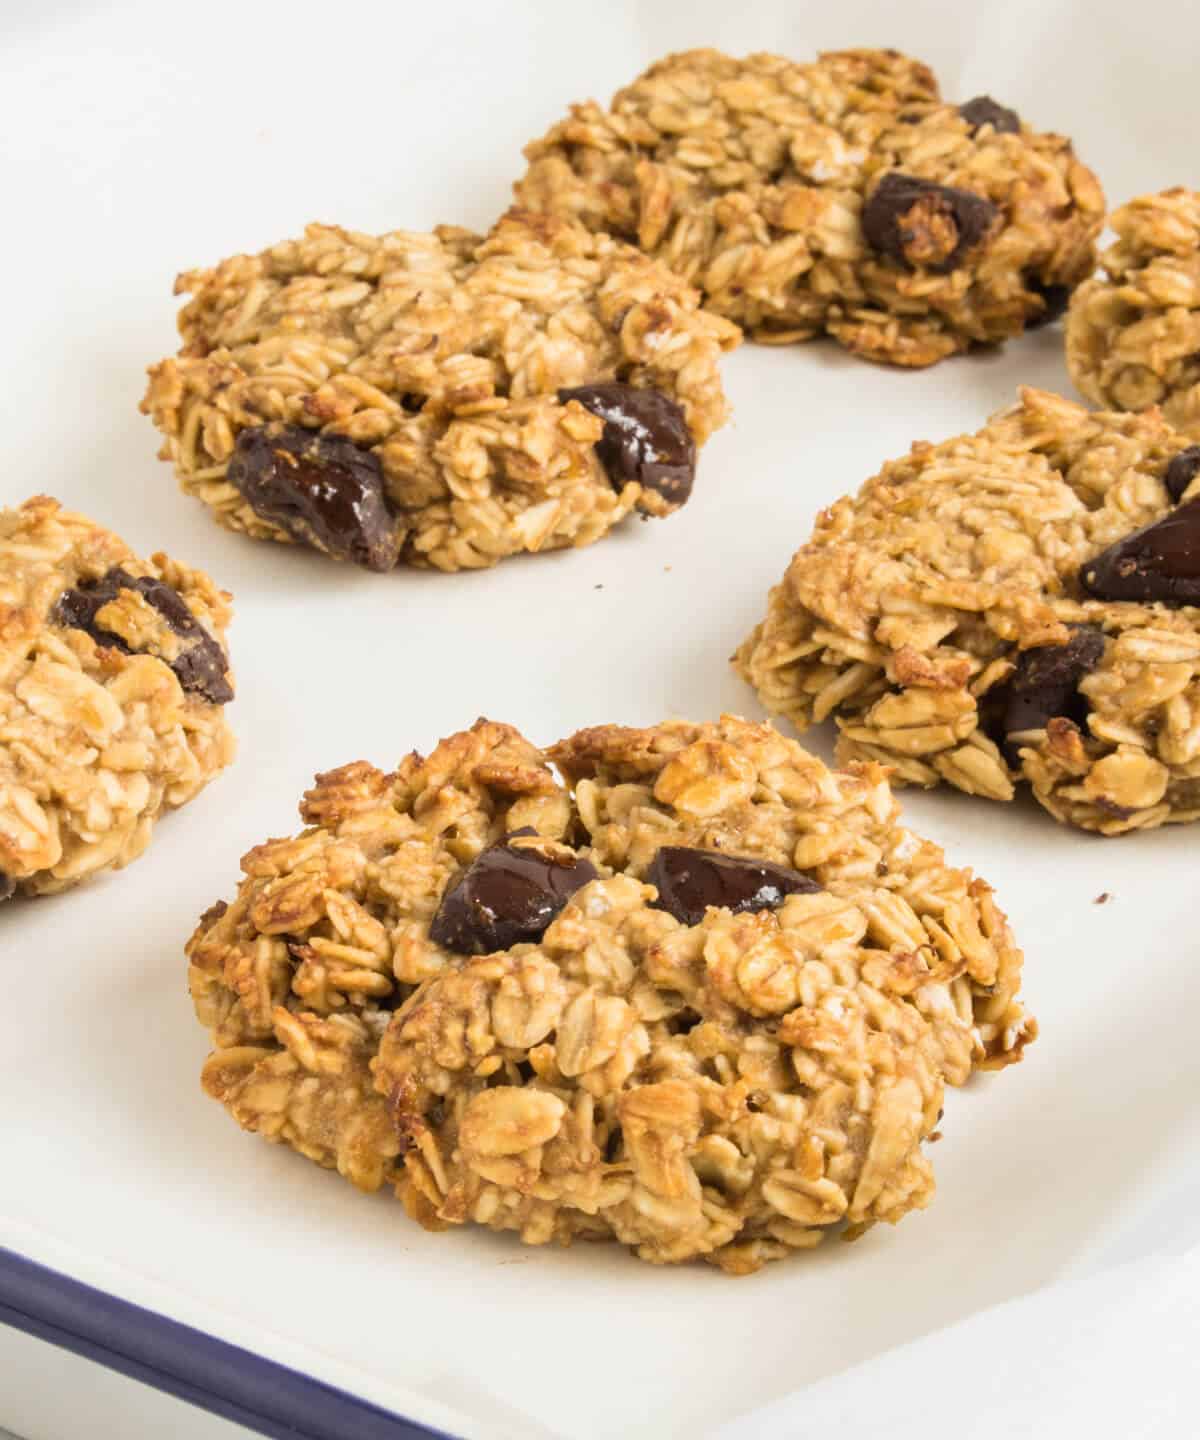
645 438
1158 563
8 886
323 490
1181 472
689 881
200 665
1054 297
507 895
1045 685
983 110
924 225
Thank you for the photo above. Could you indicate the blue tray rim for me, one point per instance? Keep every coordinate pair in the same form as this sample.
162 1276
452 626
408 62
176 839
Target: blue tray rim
192 1365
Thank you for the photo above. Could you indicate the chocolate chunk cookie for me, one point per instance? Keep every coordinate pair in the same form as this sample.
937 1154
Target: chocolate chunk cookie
1022 604
1133 333
442 400
699 995
843 197
113 679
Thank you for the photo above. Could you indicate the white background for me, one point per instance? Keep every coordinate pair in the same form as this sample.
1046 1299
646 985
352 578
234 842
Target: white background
140 139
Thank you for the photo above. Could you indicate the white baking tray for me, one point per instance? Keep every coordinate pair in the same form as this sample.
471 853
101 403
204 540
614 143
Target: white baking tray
142 138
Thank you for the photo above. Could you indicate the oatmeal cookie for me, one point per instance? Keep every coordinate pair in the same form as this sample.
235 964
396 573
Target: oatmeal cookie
440 399
1022 604
1133 332
113 678
842 198
700 995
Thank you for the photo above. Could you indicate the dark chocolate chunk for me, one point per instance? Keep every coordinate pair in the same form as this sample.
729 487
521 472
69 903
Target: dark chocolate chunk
924 225
689 881
1054 298
201 664
507 895
1045 684
645 438
991 712
323 490
1181 472
1159 562
8 886
983 110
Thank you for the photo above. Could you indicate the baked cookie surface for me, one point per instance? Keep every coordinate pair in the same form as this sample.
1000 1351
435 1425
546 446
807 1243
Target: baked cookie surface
700 995
113 679
842 197
1021 604
441 399
1133 331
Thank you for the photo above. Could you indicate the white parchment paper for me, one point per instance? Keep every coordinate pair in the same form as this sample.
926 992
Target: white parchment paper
140 138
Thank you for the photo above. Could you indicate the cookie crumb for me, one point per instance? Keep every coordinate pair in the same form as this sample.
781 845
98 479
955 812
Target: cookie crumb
1103 898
